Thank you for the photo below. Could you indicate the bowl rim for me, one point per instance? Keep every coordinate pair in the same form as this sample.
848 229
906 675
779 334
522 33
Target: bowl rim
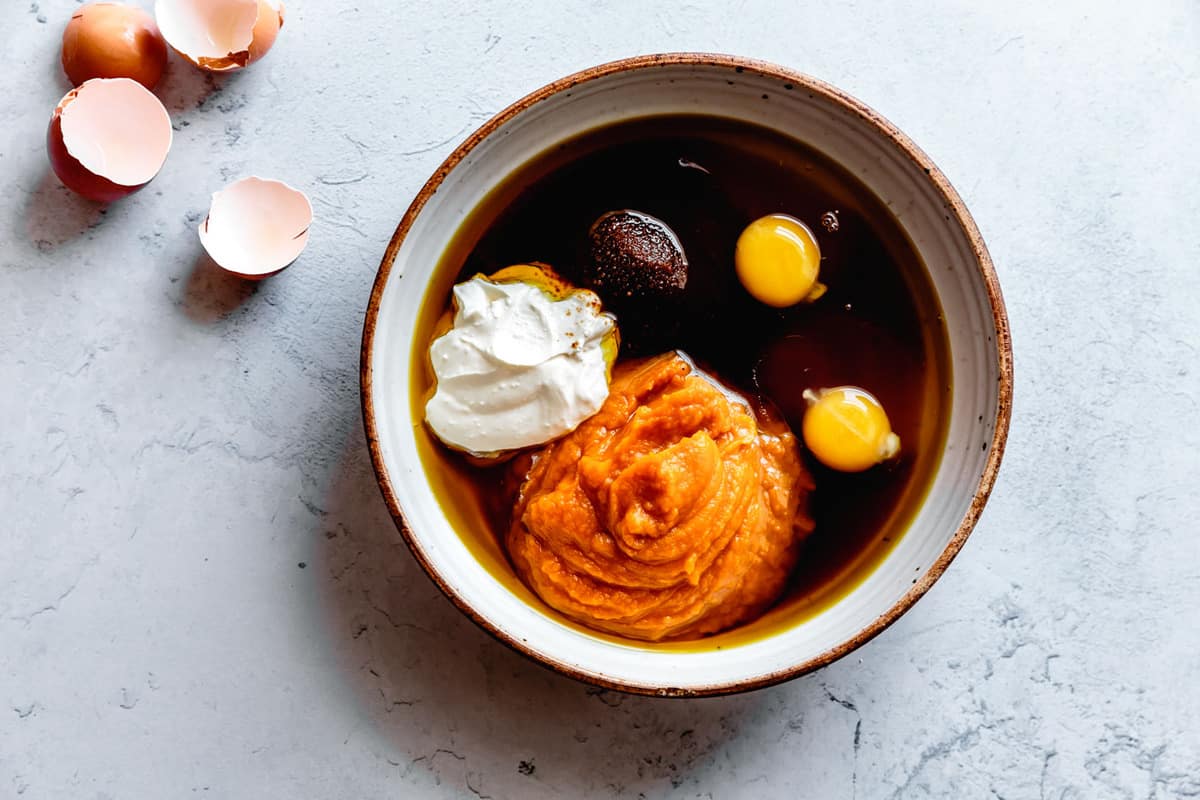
954 206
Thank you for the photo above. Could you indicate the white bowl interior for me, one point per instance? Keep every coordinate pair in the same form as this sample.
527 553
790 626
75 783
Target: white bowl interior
843 134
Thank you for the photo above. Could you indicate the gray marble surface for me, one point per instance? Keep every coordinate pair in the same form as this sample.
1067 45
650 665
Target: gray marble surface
202 595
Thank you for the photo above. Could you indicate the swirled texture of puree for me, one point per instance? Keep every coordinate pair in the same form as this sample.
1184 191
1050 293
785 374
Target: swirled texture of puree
671 513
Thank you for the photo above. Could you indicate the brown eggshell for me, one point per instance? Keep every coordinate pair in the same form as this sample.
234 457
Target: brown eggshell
73 174
220 35
266 28
115 144
113 40
256 227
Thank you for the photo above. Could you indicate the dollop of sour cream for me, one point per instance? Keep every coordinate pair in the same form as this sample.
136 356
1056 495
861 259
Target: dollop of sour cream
519 367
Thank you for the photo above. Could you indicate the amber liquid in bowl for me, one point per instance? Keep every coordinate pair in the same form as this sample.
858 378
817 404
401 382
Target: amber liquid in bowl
879 325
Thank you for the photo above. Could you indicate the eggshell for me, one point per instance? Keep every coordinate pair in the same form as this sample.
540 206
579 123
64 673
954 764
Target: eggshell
220 35
113 40
266 28
256 227
108 137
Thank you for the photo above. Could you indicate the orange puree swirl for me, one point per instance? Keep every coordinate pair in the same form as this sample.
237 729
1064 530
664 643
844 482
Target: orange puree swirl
671 513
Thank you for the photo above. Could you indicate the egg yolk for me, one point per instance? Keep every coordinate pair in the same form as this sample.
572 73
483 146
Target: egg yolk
847 430
777 260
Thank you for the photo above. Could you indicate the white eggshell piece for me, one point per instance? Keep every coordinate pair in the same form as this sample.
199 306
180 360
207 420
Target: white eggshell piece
117 129
256 227
207 30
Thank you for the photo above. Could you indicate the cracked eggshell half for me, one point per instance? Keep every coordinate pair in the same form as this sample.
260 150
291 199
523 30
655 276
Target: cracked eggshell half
220 35
256 227
108 137
113 40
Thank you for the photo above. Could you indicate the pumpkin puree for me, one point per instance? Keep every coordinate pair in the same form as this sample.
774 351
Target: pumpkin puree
672 513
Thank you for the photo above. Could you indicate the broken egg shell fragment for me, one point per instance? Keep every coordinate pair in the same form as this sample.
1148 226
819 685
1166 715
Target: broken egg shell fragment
107 138
256 227
220 35
113 40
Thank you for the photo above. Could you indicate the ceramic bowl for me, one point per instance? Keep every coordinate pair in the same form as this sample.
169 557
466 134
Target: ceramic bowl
805 109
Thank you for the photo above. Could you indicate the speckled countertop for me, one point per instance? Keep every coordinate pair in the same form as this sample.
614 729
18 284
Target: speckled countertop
202 595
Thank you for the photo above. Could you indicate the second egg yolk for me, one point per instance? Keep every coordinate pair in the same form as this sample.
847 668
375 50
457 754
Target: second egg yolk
777 260
847 430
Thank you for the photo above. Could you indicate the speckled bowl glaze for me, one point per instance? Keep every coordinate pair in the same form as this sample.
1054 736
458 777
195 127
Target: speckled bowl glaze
851 134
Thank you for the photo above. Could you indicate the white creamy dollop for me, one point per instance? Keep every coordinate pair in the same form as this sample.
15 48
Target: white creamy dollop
518 368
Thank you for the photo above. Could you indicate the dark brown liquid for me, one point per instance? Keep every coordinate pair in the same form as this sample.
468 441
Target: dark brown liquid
878 326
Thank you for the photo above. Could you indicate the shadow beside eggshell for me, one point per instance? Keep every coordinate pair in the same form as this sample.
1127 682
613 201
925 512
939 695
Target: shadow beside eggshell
184 88
211 293
57 78
54 215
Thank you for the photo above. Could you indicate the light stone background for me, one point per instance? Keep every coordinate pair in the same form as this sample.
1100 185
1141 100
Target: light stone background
202 595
